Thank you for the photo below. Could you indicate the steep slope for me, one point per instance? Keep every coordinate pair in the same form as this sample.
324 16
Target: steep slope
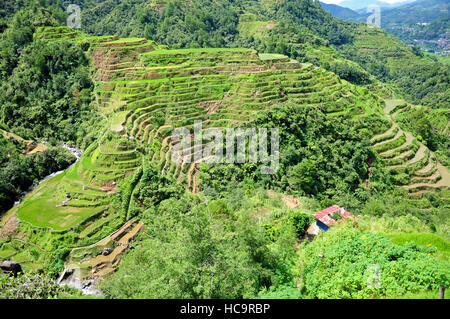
419 78
362 4
341 12
206 23
417 12
144 92
411 163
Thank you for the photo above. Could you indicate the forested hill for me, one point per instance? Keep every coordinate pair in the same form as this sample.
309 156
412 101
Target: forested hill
301 29
332 90
416 12
341 12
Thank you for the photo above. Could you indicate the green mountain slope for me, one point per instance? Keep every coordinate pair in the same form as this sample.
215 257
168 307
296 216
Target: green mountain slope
341 12
225 229
416 12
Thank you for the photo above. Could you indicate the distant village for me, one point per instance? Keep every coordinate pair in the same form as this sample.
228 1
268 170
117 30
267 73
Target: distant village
439 46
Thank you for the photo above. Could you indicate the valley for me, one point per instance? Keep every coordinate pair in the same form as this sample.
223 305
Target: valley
363 124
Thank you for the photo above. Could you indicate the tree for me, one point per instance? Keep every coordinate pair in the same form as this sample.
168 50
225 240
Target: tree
194 253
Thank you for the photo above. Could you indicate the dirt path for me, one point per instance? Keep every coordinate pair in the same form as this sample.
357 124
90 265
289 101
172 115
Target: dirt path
30 147
391 104
420 154
289 201
444 182
427 167
9 227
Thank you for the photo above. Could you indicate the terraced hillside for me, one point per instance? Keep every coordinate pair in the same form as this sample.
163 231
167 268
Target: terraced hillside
147 91
29 147
102 257
149 95
144 92
412 164
78 206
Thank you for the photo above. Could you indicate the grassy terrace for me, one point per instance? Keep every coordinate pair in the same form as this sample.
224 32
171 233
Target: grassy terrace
83 190
165 89
144 92
412 164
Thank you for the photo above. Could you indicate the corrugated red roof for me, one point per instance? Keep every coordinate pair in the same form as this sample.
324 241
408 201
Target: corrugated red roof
324 215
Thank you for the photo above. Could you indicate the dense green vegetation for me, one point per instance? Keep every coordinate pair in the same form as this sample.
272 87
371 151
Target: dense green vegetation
154 228
357 264
18 172
47 92
341 12
28 286
416 12
313 148
289 25
429 126
199 250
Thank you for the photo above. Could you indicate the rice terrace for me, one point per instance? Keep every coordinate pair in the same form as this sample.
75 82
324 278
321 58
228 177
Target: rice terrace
93 204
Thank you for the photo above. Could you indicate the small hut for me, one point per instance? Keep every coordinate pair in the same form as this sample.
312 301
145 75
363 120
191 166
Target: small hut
324 218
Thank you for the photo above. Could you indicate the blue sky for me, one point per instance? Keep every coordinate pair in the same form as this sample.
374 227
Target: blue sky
339 1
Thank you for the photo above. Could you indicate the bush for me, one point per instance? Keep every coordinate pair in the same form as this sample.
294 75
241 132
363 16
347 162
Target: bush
29 286
301 222
352 259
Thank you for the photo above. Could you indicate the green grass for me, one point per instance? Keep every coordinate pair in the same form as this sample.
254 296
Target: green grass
422 295
6 253
266 56
124 40
196 50
442 59
424 239
41 209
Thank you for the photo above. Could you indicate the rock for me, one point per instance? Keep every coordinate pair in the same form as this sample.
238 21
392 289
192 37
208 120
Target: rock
107 251
87 284
11 267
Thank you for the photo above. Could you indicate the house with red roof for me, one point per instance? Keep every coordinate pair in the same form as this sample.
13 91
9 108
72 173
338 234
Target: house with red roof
324 218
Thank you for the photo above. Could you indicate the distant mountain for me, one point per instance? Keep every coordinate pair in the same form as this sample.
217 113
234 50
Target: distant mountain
341 12
420 11
416 12
422 22
362 4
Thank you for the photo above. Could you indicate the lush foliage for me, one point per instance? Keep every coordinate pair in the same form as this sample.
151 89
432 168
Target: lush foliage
198 250
318 155
29 286
237 236
47 92
423 124
356 264
19 172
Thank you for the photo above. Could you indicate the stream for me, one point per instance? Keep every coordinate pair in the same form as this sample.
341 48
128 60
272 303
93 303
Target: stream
75 151
69 278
